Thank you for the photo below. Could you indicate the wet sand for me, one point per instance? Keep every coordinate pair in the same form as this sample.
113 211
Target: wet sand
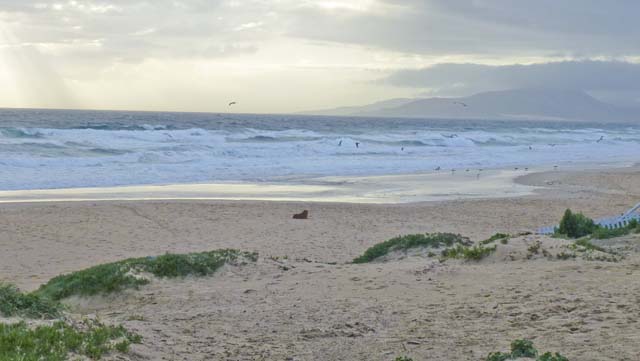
318 310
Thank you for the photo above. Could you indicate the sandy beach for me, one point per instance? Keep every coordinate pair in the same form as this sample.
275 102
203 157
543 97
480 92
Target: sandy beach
304 300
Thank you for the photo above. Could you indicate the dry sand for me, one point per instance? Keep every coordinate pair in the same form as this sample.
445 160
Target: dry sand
304 308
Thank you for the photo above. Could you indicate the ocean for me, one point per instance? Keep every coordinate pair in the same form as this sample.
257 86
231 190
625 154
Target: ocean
45 149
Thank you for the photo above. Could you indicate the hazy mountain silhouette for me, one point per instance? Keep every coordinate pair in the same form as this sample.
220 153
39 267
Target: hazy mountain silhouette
541 104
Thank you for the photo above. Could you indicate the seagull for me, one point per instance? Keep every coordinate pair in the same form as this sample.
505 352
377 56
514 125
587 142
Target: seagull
600 140
438 168
232 103
461 103
340 143
454 135
357 144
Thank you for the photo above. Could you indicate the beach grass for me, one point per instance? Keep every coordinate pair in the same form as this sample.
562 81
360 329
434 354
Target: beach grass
131 273
15 303
522 349
403 243
502 237
56 341
474 253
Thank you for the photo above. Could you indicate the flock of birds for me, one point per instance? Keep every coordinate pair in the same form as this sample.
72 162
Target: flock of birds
451 136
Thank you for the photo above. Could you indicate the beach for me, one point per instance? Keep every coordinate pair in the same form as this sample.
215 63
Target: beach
304 300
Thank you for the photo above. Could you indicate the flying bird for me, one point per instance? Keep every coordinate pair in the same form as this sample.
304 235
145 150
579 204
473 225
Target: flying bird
461 103
600 140
232 103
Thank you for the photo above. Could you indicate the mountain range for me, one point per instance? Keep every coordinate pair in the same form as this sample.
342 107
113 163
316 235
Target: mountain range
515 104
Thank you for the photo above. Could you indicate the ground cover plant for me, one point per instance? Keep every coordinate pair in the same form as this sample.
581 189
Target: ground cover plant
453 246
474 253
15 303
129 273
56 341
524 349
403 243
502 237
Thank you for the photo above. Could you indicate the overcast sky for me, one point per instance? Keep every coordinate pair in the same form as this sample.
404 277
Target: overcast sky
291 55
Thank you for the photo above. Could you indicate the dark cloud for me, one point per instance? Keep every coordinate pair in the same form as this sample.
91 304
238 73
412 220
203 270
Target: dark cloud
571 27
606 78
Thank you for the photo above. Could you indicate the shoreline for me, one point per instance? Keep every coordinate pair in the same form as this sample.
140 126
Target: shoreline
383 189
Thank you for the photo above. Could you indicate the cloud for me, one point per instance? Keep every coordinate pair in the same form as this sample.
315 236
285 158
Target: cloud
597 77
136 30
543 27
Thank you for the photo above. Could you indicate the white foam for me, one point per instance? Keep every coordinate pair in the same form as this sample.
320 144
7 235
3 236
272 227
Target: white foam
39 158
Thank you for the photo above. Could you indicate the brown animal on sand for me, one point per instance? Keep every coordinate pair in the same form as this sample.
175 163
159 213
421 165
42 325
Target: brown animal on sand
303 215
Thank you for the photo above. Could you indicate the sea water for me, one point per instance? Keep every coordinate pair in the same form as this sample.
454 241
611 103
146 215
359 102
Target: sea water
44 149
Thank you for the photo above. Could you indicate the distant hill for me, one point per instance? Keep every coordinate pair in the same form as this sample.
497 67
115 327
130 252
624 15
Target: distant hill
534 104
373 107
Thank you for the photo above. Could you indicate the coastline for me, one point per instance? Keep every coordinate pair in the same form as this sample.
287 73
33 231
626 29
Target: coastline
304 292
387 189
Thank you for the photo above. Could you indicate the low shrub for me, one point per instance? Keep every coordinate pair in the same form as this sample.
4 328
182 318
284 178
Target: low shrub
403 243
118 276
524 349
502 237
474 253
15 303
575 225
548 356
55 342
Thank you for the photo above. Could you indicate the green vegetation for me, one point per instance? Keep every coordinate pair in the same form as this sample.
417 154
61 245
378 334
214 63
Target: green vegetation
524 349
55 342
117 276
498 356
564 255
403 358
474 253
548 356
575 225
534 248
588 245
15 303
502 237
403 243
604 233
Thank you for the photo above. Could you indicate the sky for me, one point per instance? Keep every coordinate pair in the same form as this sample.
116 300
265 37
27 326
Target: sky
281 56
